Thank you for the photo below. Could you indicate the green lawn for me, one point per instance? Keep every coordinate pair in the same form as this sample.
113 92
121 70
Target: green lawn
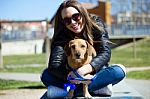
12 84
25 59
126 57
139 74
16 63
24 69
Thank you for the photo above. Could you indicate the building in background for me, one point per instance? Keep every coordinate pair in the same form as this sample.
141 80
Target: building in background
101 9
139 19
23 37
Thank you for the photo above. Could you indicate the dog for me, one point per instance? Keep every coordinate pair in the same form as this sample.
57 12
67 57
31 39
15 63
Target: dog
79 52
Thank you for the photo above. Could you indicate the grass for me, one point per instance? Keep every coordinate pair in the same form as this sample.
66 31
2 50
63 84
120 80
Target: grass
12 84
21 60
126 57
139 74
24 69
25 59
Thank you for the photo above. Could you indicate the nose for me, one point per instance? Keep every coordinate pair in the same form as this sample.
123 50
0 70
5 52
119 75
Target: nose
72 21
78 55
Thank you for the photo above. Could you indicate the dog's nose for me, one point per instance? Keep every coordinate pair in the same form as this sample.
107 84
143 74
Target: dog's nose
78 55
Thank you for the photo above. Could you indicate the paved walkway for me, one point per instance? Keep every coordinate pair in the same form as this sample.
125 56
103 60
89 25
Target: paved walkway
22 93
137 68
20 76
142 86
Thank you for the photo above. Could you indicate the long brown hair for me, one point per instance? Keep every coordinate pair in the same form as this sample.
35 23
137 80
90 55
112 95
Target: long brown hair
89 23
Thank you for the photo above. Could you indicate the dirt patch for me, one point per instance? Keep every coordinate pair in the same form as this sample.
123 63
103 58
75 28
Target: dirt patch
22 94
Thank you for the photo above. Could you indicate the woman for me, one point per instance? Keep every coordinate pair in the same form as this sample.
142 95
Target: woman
73 21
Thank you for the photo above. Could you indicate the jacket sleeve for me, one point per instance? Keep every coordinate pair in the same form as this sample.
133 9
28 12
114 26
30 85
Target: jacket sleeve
56 64
57 60
102 48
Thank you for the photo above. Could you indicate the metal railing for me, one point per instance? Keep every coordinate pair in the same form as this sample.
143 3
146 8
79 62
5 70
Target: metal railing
128 29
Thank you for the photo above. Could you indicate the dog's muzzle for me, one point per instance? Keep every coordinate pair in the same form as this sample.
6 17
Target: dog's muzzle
77 55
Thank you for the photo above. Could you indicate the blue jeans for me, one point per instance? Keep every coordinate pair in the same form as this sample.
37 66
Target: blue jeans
109 75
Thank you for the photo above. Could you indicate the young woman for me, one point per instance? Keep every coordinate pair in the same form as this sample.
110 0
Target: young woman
73 21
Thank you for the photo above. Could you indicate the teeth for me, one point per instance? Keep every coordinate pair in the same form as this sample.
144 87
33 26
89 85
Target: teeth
75 27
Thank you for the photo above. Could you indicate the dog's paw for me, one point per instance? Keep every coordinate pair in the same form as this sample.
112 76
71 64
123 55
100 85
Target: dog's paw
70 94
88 95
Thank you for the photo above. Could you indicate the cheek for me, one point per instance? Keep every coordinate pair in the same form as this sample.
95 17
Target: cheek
82 23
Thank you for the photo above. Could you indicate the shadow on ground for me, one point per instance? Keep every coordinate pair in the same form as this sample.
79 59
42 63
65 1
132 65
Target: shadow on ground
33 87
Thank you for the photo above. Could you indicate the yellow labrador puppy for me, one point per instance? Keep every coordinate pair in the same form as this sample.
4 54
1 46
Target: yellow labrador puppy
79 52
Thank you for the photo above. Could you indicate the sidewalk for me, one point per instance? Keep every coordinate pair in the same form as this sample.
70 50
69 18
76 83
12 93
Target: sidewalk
22 93
20 76
137 68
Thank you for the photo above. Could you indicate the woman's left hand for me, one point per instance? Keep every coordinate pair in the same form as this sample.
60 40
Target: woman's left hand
85 69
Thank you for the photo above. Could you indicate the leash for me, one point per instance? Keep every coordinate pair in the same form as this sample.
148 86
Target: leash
69 86
75 72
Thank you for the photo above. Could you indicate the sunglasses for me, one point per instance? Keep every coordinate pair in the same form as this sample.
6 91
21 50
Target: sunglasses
75 17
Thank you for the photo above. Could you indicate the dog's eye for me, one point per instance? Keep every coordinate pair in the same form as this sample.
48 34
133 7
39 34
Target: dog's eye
73 46
82 46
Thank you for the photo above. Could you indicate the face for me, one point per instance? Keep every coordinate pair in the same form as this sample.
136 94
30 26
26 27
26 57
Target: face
72 19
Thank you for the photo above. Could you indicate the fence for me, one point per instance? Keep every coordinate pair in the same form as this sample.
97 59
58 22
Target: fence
128 29
23 30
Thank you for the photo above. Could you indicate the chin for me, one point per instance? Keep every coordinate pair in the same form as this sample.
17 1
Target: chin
77 31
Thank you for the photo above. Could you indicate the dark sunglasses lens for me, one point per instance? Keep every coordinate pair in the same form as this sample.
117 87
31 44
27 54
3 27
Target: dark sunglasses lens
76 17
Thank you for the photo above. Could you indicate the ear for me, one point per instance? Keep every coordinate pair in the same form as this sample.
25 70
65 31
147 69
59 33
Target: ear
67 49
90 50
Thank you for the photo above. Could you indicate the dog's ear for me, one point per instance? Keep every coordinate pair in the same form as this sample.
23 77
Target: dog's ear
67 50
90 50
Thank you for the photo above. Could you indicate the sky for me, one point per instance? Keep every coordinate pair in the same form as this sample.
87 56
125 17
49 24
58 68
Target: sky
42 9
28 9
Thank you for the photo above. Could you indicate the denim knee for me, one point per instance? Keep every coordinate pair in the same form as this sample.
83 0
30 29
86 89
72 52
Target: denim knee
44 76
120 72
49 79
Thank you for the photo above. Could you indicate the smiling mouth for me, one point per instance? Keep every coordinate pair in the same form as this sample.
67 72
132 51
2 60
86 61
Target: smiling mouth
75 27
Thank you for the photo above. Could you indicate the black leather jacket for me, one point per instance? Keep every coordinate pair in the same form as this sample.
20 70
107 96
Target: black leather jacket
58 61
